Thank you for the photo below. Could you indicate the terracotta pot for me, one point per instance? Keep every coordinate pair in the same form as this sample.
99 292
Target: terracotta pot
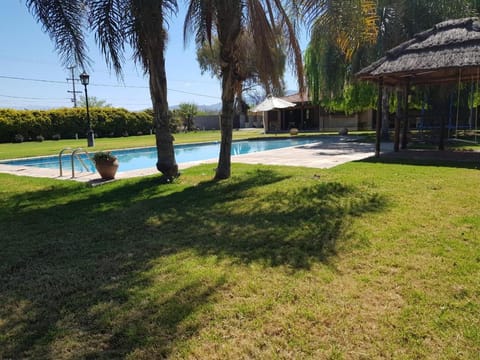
107 168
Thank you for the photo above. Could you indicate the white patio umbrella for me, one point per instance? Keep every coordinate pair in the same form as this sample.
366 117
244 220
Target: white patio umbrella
272 102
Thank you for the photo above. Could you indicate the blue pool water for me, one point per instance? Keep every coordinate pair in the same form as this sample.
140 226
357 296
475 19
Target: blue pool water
141 158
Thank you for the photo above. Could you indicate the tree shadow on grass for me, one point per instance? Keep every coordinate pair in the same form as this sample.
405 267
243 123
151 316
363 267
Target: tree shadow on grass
437 158
100 274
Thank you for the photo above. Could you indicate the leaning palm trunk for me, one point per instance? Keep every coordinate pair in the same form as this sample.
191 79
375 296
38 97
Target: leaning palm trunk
166 163
150 42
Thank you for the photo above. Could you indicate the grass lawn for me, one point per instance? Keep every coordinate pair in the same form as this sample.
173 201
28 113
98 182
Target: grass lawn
366 260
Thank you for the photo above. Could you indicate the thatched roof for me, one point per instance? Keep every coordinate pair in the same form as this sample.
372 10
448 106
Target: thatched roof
445 53
297 98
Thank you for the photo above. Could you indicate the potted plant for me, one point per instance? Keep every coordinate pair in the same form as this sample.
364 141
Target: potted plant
106 164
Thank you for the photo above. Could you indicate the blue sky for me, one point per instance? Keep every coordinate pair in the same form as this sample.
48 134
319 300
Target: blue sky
28 54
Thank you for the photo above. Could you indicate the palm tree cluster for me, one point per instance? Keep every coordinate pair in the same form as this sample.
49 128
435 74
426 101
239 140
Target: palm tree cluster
229 22
140 24
345 36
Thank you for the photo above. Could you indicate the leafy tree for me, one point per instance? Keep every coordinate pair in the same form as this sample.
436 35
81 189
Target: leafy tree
347 35
93 101
339 29
118 24
187 112
228 21
208 57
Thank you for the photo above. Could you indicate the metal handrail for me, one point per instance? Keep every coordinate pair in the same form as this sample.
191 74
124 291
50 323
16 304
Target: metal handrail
60 159
74 154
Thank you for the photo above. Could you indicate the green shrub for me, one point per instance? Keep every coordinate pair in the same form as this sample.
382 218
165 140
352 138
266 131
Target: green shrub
18 138
69 122
104 156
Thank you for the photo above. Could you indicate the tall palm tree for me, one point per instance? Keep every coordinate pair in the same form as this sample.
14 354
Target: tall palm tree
116 24
228 20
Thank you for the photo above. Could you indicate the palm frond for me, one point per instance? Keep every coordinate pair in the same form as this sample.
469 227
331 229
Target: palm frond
294 51
107 19
145 30
64 22
265 41
200 21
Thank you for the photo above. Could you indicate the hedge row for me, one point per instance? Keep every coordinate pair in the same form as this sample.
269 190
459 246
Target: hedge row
70 123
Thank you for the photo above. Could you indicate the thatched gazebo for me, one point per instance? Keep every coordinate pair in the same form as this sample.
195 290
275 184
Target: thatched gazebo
447 53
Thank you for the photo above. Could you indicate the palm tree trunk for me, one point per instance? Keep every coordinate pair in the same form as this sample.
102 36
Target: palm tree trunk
229 27
226 125
166 163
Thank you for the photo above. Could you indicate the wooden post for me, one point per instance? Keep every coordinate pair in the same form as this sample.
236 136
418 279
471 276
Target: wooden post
444 94
398 116
379 118
405 116
441 142
301 114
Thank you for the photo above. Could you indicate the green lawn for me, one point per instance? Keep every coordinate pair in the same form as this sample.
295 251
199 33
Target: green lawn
363 261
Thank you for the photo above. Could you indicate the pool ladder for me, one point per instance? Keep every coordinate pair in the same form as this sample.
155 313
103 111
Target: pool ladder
74 155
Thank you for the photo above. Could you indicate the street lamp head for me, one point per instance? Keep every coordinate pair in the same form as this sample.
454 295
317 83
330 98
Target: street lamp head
84 78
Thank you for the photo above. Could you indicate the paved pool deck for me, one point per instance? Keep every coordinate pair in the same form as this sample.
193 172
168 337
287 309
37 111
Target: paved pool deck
324 154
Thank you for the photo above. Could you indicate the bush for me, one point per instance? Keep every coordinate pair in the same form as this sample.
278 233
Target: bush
56 137
104 156
18 138
39 138
68 122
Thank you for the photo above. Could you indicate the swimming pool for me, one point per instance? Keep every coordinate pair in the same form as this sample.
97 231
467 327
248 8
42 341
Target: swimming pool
142 158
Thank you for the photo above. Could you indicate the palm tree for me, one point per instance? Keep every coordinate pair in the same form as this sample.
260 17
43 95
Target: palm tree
208 57
228 20
116 24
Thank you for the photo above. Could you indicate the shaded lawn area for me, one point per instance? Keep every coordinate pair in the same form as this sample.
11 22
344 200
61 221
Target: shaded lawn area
361 261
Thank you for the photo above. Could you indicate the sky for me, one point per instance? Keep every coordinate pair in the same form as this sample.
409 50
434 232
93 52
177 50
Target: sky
32 75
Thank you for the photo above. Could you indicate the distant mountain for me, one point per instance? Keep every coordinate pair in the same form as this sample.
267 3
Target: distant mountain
214 108
211 108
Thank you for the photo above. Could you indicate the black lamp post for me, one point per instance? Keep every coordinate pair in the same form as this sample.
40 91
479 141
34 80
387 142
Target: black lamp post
84 79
